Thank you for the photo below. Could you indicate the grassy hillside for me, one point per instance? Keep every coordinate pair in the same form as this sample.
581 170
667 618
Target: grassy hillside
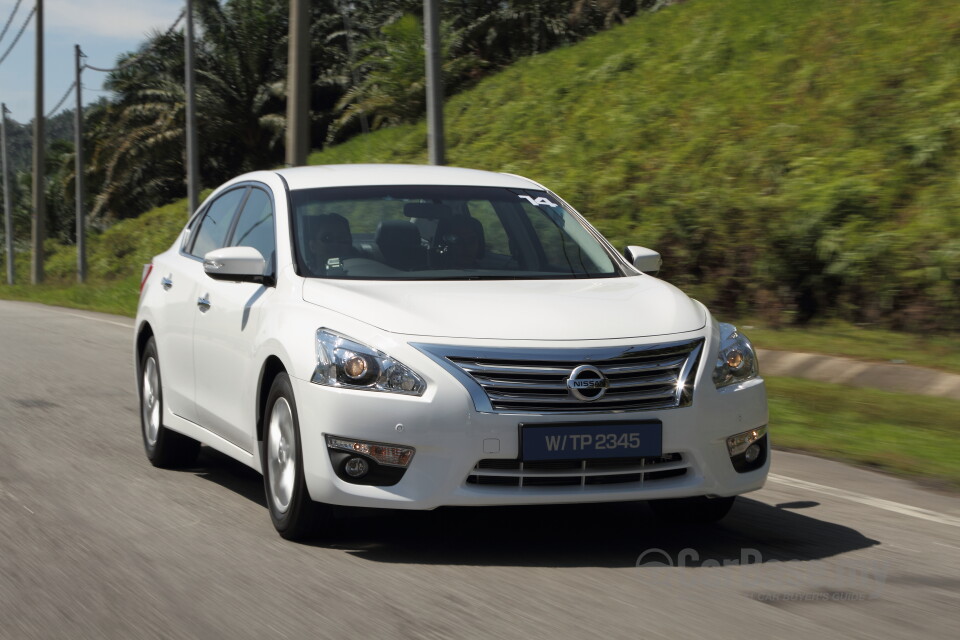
792 159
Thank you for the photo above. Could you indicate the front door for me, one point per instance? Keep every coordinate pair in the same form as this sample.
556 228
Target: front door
226 329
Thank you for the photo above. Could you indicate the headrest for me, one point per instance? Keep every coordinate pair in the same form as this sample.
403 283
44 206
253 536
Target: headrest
426 210
330 227
457 231
397 232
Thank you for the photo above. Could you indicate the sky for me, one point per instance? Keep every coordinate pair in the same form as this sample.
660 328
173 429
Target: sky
104 29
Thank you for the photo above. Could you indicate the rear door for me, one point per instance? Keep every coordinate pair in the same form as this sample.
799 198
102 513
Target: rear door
173 327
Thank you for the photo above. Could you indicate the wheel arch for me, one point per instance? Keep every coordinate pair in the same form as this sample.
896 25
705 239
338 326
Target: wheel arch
144 333
272 367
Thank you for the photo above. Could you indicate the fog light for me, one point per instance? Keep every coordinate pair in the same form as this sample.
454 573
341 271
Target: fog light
751 454
356 467
737 444
388 454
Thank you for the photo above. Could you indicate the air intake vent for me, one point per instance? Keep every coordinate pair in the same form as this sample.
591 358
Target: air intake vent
577 473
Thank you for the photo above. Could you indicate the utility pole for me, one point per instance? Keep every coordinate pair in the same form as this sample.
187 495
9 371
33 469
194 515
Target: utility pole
431 32
8 214
193 170
78 171
298 84
39 168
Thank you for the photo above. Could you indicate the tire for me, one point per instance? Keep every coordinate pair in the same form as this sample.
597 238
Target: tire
164 448
295 516
697 510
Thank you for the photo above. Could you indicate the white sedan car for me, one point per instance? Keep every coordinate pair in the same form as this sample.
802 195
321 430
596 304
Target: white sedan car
410 337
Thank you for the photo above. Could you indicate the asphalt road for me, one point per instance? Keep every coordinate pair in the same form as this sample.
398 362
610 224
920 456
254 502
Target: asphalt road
96 543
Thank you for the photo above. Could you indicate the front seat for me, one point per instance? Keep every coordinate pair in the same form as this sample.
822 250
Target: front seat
330 239
459 242
399 243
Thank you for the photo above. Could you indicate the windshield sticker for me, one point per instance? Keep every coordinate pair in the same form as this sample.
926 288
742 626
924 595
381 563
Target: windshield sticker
540 200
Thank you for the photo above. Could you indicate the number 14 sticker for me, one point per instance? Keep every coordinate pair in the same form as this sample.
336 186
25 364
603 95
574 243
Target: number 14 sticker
539 201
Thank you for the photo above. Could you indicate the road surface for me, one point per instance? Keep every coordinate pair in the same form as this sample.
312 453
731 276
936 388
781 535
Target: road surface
96 543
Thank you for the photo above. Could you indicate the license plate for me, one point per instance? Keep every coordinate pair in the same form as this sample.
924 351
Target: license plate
591 441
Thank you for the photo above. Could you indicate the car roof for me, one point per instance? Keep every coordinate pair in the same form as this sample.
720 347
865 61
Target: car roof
361 175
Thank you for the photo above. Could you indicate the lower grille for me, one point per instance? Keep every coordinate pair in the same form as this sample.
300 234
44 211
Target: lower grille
572 473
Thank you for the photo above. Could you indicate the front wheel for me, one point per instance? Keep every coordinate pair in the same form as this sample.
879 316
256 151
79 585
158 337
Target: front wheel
293 513
164 448
696 510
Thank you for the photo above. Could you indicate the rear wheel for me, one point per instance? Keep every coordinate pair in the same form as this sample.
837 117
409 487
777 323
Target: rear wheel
294 514
164 448
697 510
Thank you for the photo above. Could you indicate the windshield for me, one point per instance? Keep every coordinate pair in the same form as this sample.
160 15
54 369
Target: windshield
440 233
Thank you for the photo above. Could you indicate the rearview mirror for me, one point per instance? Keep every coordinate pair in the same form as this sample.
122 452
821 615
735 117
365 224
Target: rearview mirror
237 264
646 260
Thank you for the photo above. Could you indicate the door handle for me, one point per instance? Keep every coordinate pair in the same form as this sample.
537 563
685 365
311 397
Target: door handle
204 304
166 283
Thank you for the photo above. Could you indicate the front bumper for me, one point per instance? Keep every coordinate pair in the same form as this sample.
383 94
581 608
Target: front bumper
451 437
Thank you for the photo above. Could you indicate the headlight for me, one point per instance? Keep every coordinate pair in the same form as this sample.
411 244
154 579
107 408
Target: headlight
343 362
736 360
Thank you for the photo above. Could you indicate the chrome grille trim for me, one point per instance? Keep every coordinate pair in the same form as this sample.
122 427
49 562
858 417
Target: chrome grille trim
583 473
507 380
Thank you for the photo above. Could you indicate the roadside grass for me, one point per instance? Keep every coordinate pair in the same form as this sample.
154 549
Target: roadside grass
116 297
865 343
912 436
115 259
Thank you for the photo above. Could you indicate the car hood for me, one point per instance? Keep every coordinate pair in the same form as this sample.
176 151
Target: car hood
594 309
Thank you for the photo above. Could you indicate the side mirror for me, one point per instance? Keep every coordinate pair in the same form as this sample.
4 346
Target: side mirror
646 260
237 264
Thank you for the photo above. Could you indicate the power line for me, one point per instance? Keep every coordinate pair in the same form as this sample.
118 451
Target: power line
19 33
63 99
130 61
126 63
10 19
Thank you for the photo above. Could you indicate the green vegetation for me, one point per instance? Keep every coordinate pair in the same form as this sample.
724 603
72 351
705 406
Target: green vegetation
793 162
915 436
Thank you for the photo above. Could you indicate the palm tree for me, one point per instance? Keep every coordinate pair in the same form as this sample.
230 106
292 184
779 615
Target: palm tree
393 86
240 70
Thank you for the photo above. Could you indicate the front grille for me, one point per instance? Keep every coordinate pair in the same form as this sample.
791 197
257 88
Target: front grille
658 376
573 473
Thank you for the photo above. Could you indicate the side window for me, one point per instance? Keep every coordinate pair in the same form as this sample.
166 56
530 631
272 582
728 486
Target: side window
255 225
212 232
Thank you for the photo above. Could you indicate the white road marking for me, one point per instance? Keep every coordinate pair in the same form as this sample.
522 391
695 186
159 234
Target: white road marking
870 501
15 499
78 315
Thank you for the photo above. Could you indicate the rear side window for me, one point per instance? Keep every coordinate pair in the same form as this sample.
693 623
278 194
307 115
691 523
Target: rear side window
213 229
255 225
